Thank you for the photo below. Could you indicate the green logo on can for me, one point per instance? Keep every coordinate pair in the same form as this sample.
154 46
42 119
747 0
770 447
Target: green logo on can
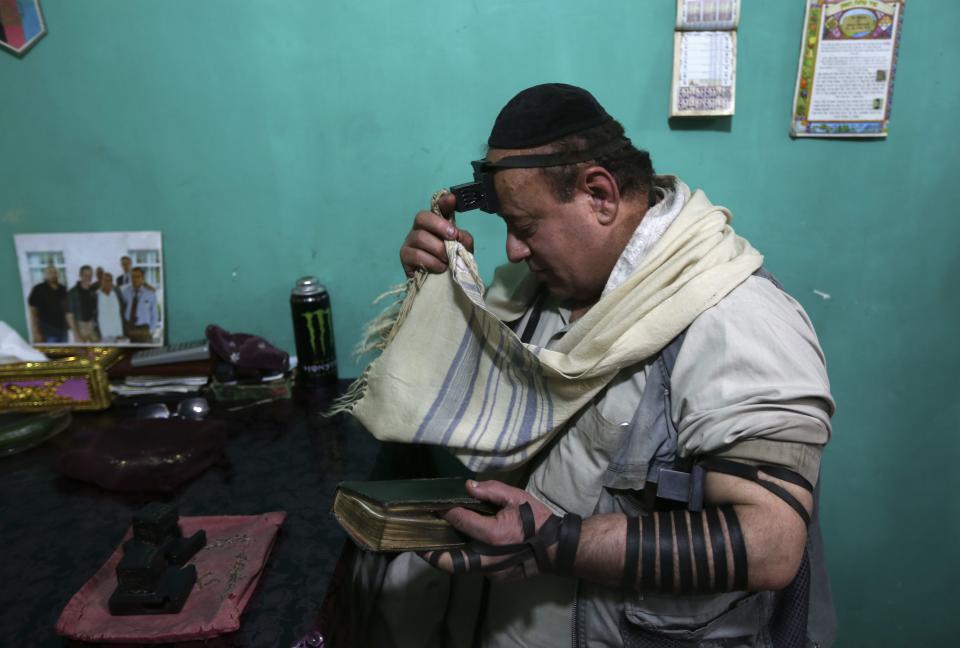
318 324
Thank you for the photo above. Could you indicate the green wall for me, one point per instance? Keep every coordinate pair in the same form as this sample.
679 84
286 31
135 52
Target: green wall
273 139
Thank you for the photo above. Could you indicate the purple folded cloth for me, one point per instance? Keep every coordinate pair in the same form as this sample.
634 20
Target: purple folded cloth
146 454
246 351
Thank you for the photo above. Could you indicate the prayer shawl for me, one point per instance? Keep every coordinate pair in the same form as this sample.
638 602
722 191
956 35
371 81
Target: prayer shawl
451 373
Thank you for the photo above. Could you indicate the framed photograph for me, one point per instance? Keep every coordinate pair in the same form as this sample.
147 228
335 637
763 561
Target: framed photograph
92 289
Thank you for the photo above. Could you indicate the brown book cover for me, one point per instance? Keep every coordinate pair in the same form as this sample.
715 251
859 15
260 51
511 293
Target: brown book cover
402 514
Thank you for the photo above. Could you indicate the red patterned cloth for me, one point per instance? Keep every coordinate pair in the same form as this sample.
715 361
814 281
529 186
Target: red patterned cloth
228 570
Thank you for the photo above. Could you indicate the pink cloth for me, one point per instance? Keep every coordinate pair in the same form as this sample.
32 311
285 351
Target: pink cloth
228 570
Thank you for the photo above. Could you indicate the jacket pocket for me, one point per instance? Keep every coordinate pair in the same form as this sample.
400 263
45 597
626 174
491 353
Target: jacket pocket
569 477
743 625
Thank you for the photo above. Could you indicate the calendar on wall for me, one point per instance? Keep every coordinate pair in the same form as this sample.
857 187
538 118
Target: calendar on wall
705 58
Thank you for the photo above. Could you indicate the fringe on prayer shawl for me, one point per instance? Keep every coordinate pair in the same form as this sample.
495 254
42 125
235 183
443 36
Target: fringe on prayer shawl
383 328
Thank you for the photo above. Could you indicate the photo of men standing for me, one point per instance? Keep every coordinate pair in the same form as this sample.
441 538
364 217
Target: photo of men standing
76 294
82 308
140 312
48 322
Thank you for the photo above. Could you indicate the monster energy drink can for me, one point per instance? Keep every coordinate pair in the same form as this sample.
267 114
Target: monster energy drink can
313 333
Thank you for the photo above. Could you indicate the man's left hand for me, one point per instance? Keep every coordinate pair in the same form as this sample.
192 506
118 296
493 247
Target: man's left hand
504 528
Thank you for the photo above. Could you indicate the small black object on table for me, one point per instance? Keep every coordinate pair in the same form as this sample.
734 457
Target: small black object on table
151 577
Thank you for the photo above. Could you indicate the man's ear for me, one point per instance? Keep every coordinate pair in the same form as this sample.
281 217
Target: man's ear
601 189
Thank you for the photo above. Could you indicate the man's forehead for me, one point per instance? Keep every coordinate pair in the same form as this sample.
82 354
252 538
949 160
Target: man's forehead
514 187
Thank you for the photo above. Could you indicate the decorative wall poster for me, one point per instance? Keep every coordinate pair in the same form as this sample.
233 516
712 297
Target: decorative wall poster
21 25
848 59
704 58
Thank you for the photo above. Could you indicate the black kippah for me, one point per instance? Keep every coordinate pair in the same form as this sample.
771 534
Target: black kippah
545 113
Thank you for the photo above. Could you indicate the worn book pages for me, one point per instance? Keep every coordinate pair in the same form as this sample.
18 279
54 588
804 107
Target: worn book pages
403 514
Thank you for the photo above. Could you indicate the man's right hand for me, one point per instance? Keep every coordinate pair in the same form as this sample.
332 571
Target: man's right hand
424 245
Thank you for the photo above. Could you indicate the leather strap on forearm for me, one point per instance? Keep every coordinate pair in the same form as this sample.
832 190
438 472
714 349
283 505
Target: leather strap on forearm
671 550
631 559
684 550
533 553
567 544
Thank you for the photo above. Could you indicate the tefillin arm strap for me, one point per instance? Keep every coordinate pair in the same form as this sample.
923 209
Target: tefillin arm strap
533 553
752 473
678 551
671 551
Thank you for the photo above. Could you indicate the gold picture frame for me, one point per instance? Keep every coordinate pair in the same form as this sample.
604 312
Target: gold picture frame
75 377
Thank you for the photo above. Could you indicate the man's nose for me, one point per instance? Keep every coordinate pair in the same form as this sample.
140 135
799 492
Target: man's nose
517 250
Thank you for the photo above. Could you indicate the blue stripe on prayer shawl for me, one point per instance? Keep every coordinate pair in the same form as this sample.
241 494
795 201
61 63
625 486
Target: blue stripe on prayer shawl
526 383
465 396
532 367
498 368
460 392
525 433
546 393
516 367
513 399
541 410
520 380
545 418
486 394
503 462
447 381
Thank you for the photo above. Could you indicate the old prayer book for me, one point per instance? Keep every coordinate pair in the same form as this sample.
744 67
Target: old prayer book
402 514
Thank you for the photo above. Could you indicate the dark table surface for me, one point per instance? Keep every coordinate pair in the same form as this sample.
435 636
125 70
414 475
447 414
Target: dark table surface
56 532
